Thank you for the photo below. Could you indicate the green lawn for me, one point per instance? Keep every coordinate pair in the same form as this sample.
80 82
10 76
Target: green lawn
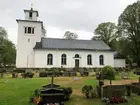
17 91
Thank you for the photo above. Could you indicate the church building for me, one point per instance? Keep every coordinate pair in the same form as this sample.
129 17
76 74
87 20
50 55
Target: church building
35 50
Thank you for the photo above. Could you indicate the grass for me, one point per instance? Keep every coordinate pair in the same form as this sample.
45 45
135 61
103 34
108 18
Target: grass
17 91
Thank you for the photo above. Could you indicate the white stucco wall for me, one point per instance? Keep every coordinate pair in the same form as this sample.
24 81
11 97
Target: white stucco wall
41 58
119 63
25 52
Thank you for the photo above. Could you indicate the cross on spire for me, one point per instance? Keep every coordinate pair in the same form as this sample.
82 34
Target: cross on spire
32 6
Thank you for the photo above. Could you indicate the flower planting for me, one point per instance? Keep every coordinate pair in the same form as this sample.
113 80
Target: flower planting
117 100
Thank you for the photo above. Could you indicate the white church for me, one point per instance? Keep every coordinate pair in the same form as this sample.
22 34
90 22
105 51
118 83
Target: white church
34 50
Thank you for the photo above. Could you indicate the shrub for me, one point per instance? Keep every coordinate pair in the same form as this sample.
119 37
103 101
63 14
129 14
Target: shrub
42 74
14 75
27 75
67 92
35 98
108 72
89 91
53 71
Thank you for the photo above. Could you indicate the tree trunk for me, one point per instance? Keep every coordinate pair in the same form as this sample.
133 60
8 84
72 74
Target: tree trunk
110 82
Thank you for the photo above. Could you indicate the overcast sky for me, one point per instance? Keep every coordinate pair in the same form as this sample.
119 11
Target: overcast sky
80 16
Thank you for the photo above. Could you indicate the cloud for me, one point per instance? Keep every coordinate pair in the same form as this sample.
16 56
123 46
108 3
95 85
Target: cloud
81 16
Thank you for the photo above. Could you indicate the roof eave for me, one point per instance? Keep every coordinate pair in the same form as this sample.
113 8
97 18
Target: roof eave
28 21
73 49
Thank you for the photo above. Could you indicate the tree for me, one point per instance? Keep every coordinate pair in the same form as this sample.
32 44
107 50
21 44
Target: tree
9 55
124 48
108 72
3 33
70 35
106 32
7 49
129 27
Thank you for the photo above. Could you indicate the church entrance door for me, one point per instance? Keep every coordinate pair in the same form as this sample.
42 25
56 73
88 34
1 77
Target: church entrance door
76 63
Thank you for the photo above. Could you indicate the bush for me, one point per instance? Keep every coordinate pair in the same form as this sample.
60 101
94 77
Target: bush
42 74
67 92
35 98
27 75
14 75
137 71
89 91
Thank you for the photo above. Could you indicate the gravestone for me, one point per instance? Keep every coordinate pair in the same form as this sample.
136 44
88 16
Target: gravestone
52 93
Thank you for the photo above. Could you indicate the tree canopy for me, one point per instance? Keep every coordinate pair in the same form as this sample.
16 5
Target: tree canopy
3 33
106 32
70 35
129 27
7 49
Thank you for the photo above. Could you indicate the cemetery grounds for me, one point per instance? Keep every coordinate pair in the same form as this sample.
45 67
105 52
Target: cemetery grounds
16 91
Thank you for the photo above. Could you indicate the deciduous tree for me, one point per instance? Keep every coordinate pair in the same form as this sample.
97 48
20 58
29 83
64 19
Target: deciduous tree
106 32
70 35
129 27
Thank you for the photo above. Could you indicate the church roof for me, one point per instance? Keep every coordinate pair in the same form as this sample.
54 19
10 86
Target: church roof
69 44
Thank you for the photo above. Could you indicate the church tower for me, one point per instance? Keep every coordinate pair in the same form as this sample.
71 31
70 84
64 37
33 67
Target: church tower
30 31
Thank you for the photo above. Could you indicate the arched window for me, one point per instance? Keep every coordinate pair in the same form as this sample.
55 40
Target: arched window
50 59
89 60
77 56
63 59
101 60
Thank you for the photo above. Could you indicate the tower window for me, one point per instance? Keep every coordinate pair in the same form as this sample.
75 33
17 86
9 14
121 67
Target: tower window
26 29
29 30
32 30
30 14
